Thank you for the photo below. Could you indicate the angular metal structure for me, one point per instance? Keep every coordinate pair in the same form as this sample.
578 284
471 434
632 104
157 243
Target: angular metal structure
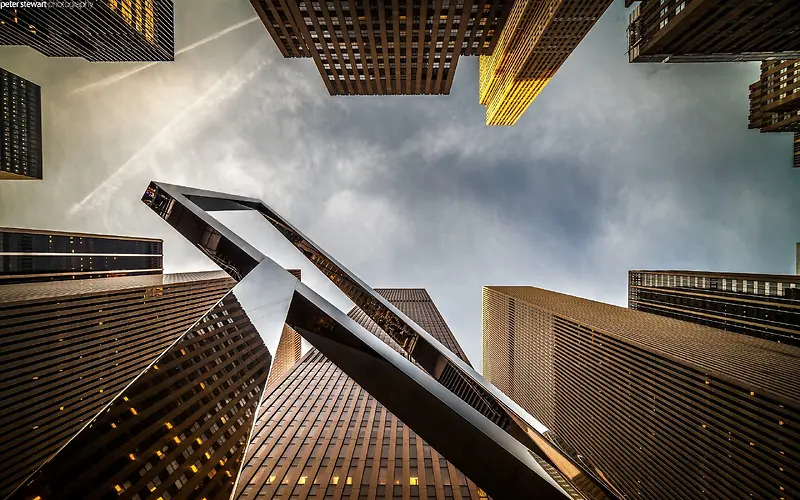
473 424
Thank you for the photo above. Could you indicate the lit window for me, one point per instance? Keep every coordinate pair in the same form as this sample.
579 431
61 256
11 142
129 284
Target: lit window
132 456
169 425
270 479
302 480
335 480
176 439
413 481
193 467
133 410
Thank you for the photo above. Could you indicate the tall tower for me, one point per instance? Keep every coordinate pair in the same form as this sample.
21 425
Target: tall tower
661 408
289 350
406 47
180 430
102 30
713 30
67 348
760 305
775 101
321 435
21 130
29 255
537 39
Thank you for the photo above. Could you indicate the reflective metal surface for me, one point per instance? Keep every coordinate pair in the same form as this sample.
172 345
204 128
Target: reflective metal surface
480 430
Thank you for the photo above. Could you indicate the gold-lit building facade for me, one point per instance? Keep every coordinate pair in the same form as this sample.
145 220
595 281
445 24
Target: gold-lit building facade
660 408
537 39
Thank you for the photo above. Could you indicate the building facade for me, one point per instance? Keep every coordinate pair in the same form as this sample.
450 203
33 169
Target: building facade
406 47
775 101
765 306
713 30
661 408
537 39
68 347
29 255
319 435
102 30
21 131
180 430
289 350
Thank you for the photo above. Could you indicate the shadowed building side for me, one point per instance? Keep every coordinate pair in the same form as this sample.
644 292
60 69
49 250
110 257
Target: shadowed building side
180 430
321 435
537 39
68 347
661 408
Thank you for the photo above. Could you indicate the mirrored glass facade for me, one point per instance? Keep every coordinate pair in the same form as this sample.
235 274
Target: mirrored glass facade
760 305
20 128
29 255
68 347
97 30
660 408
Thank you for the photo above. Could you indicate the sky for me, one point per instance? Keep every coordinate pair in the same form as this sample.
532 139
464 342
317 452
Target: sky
613 167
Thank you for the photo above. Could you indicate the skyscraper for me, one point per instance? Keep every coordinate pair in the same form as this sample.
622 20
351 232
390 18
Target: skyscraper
289 350
180 430
103 30
775 101
21 131
713 30
537 39
28 255
661 408
406 47
68 347
759 305
321 435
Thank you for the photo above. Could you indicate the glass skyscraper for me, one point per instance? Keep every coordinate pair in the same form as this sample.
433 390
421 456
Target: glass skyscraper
20 127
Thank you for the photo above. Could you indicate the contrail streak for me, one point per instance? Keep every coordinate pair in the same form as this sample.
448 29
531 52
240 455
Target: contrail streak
121 76
107 188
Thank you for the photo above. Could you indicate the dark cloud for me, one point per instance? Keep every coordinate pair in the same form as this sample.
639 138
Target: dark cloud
614 166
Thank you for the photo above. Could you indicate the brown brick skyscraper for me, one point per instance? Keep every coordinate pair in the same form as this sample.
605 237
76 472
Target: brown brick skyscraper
405 47
321 436
662 408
